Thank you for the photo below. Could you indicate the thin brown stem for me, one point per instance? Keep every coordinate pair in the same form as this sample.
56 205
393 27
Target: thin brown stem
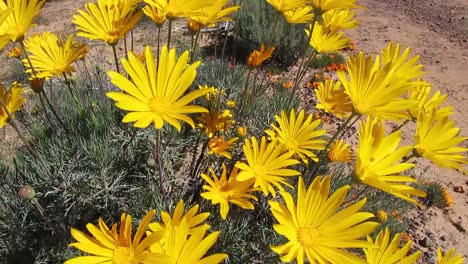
169 34
246 84
161 170
116 59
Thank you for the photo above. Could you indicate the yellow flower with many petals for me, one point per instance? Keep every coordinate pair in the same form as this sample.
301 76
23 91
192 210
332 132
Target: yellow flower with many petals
157 94
339 152
449 257
287 5
257 57
267 164
224 191
421 95
241 131
157 15
388 252
108 23
316 231
115 245
4 37
185 246
301 15
15 53
338 19
179 8
325 5
299 134
215 122
194 220
214 13
333 99
324 41
219 146
382 216
438 140
405 70
13 100
51 56
21 17
378 158
372 90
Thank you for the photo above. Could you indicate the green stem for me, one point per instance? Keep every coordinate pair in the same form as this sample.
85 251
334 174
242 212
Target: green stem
246 84
407 158
68 84
160 169
116 59
194 48
300 74
27 58
125 46
67 132
401 126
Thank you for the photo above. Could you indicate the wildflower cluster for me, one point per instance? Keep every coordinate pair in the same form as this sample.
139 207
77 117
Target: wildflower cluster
276 158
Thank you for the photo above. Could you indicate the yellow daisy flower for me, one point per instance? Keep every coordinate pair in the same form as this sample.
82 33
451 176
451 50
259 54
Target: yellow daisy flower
257 57
438 140
15 52
340 152
449 257
382 216
194 220
300 15
377 163
115 245
241 131
157 15
179 8
372 90
51 56
333 99
316 229
421 95
215 122
387 252
108 23
185 246
4 37
215 13
219 146
157 94
299 134
405 70
267 164
224 191
324 41
13 100
20 20
324 5
338 19
287 5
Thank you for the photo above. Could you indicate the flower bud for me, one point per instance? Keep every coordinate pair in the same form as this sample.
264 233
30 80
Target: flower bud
27 192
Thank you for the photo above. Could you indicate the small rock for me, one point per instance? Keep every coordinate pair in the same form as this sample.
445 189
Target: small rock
430 235
426 242
443 238
458 189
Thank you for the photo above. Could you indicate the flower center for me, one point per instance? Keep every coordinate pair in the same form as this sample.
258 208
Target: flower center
308 236
291 144
259 171
124 255
159 105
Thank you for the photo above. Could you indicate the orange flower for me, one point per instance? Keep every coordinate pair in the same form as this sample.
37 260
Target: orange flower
288 85
257 57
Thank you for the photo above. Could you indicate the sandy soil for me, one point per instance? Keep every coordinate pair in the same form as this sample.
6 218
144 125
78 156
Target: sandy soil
436 30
